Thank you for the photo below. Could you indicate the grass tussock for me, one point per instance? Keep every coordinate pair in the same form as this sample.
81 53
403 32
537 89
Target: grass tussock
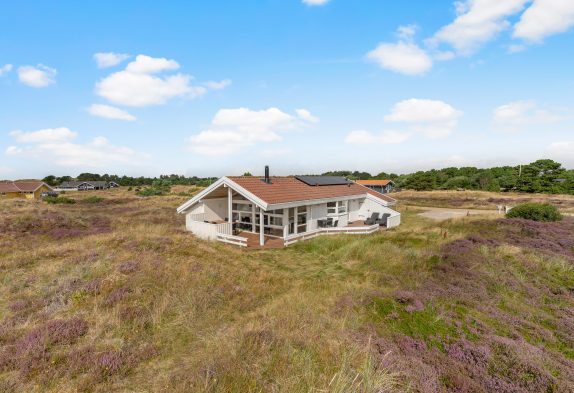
113 295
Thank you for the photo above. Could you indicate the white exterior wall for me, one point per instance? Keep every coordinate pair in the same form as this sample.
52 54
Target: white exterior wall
215 209
354 207
204 230
317 212
369 207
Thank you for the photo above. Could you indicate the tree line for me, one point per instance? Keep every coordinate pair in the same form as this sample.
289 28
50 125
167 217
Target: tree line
542 176
133 181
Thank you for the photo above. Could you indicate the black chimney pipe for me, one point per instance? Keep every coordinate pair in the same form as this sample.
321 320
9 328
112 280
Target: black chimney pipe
267 179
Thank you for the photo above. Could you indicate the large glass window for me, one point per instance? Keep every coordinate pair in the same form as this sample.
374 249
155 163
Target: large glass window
339 207
332 208
301 220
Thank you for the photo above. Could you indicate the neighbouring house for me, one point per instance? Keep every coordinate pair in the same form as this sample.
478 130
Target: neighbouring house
279 211
381 186
23 189
86 185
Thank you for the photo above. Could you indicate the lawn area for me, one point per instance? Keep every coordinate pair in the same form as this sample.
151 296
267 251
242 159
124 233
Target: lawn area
111 294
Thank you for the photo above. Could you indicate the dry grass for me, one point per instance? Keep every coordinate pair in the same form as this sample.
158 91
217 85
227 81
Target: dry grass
142 306
480 199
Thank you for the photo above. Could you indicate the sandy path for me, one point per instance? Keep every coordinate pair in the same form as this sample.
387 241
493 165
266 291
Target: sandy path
440 214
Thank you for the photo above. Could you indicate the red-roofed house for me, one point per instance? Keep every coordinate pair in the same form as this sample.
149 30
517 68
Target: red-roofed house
382 186
24 189
232 209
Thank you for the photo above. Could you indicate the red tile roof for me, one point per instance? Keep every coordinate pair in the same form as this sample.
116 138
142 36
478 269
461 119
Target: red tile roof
28 185
373 182
8 186
289 189
21 185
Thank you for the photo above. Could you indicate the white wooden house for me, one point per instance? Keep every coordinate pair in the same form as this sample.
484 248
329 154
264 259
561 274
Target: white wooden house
284 210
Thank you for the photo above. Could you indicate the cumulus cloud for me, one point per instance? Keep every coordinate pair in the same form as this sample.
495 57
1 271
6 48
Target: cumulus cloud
57 145
477 22
315 2
38 76
218 85
306 115
363 137
109 59
6 68
110 112
544 18
45 135
518 115
432 118
151 65
404 56
139 85
234 129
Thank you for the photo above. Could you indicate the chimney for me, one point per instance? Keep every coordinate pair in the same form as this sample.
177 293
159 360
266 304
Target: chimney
267 179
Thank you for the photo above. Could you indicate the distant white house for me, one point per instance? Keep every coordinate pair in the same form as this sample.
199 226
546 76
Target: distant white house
279 211
86 185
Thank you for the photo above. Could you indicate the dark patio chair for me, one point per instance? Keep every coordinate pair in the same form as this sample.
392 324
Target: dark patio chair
373 219
335 224
383 220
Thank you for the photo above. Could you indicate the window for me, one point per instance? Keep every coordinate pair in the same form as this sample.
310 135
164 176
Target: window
332 208
339 207
302 220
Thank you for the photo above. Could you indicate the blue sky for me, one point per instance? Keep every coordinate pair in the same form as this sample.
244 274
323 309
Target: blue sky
223 87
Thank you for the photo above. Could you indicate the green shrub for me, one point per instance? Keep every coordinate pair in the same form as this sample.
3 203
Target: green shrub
93 199
59 200
536 212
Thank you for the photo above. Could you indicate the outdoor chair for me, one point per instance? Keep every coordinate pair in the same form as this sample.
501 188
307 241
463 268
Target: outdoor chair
383 220
373 219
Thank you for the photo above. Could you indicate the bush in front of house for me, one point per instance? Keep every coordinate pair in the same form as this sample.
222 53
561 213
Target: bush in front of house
535 212
59 200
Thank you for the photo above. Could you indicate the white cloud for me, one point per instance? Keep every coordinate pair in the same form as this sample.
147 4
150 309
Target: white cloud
519 115
218 85
6 68
137 85
432 118
315 2
110 112
56 145
306 115
109 59
46 135
234 129
39 76
385 138
151 65
544 18
404 56
477 22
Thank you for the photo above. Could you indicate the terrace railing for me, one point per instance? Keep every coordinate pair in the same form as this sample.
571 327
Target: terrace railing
231 239
331 231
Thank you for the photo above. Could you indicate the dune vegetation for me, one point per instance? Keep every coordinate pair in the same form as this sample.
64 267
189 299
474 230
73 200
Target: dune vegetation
113 295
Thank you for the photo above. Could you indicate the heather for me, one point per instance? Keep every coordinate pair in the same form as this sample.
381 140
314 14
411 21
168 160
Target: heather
114 295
